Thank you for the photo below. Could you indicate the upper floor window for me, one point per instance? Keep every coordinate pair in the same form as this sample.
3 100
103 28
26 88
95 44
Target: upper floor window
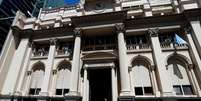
65 48
99 43
37 78
63 78
179 75
140 77
40 50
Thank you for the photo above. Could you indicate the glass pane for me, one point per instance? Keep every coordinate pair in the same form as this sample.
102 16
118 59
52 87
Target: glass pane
37 91
31 91
187 90
148 91
177 89
58 91
65 91
138 91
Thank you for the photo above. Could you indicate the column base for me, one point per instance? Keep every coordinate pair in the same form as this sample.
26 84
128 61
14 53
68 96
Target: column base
18 93
126 98
167 94
72 93
199 93
72 98
126 93
43 94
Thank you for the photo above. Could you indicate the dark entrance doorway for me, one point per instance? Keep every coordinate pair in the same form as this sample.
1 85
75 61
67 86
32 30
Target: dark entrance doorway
100 85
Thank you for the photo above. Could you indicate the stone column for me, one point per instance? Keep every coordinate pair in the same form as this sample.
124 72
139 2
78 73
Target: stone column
48 68
76 64
19 90
196 34
27 83
194 80
54 80
123 63
114 84
194 53
86 86
165 84
15 67
147 8
154 81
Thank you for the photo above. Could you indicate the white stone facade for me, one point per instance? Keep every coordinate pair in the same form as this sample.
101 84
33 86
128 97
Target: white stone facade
118 51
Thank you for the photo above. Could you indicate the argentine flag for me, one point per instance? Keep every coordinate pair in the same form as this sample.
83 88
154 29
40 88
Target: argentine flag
71 2
179 40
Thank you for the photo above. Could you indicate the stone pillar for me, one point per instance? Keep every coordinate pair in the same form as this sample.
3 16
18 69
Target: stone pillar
114 84
154 81
123 63
27 84
48 68
86 86
194 54
196 34
165 84
194 80
15 67
147 8
76 64
54 80
19 90
175 4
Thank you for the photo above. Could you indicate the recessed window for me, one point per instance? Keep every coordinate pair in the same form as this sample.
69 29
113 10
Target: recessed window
187 89
143 91
148 91
34 91
177 89
62 91
138 91
183 89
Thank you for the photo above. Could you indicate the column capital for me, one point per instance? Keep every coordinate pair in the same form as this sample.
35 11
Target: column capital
187 30
54 71
53 41
153 32
120 27
191 66
29 73
77 32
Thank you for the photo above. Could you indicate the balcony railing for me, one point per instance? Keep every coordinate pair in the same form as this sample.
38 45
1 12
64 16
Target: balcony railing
174 46
138 47
64 52
40 53
99 47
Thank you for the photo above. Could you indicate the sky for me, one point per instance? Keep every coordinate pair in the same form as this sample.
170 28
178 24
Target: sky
71 2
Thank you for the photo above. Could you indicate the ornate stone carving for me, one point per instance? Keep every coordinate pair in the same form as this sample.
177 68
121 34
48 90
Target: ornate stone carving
77 31
54 71
187 30
120 27
53 41
29 73
153 32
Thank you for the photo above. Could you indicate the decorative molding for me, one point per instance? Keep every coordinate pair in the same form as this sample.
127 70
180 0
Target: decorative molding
191 66
187 30
153 32
54 71
77 32
53 41
29 73
120 27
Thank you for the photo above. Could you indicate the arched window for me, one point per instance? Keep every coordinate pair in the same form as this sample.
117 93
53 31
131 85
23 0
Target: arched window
63 78
140 77
179 75
37 78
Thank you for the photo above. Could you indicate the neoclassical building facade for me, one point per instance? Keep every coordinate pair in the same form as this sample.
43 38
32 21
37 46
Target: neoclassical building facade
138 50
